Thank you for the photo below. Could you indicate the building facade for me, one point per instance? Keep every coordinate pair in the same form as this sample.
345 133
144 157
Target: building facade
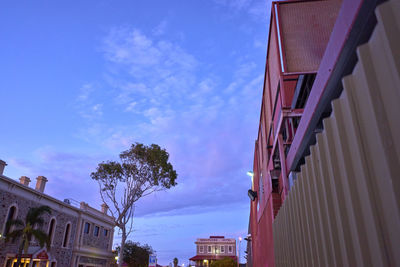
79 236
213 248
326 159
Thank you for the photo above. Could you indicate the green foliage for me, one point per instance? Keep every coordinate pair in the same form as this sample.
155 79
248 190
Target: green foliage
141 171
146 165
136 255
225 262
25 230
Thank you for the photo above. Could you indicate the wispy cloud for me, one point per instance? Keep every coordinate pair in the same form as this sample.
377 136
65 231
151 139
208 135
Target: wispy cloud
86 103
161 28
258 9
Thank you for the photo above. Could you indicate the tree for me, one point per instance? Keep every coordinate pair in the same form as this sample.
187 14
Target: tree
136 255
225 262
25 230
141 171
175 262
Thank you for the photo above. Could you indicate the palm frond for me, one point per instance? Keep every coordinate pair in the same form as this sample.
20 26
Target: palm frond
41 237
16 222
37 212
14 235
38 222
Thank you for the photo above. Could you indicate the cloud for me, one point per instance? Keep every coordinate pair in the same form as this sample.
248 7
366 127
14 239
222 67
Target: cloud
158 92
161 28
86 104
68 173
257 9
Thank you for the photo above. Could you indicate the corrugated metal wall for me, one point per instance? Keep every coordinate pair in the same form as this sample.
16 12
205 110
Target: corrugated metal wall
344 209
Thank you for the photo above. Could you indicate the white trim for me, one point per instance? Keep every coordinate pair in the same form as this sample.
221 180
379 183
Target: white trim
279 39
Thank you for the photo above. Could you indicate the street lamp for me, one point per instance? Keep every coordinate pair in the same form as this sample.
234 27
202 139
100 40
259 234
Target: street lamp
240 240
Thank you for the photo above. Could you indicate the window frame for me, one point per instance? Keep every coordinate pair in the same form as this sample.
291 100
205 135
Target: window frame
67 235
14 216
53 231
88 228
96 231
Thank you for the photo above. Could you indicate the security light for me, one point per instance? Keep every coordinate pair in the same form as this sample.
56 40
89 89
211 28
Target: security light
252 194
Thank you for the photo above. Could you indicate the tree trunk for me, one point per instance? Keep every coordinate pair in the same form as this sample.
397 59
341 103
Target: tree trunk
121 251
19 255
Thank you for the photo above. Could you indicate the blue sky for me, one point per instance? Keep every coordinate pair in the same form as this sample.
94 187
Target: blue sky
82 80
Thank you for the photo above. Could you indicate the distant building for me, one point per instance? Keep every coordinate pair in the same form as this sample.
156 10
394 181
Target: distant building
80 236
213 248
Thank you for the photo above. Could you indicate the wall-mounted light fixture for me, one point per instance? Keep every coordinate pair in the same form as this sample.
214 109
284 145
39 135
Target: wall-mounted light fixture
252 194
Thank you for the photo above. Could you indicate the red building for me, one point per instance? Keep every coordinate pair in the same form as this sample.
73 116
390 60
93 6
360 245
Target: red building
312 46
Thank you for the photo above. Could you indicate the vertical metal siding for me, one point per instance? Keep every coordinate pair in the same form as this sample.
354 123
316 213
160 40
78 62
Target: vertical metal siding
344 208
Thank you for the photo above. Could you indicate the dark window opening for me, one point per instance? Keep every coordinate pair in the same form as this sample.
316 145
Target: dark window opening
105 232
96 231
303 89
87 228
51 229
66 235
11 216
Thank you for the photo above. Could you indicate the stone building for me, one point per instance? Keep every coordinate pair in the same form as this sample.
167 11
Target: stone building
213 248
80 236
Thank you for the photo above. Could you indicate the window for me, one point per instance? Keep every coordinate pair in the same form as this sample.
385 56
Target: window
105 232
209 249
201 249
53 264
230 249
66 235
12 214
87 228
96 231
222 249
52 228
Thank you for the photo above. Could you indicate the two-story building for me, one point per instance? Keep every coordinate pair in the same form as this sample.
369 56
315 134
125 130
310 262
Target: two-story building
213 248
80 236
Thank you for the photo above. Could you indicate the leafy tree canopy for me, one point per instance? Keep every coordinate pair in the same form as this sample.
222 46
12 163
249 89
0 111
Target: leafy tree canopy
225 262
141 171
136 255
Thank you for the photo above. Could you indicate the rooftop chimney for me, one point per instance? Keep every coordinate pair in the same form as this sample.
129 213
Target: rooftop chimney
104 208
41 183
24 180
3 164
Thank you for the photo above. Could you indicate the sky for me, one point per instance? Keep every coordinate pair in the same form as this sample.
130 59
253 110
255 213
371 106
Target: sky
82 80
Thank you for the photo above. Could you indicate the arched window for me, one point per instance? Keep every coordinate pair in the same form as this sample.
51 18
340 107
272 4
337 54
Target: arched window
11 215
52 228
66 235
